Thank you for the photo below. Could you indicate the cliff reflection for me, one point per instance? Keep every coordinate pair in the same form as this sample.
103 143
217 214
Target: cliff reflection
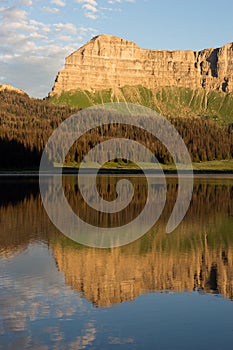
197 256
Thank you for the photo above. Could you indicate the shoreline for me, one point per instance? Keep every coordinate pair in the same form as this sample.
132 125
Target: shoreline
114 172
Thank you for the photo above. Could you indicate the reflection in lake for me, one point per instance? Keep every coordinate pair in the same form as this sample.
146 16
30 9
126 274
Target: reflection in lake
46 277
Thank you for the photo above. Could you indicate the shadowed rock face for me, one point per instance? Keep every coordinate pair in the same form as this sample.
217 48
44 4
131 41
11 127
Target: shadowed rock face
111 62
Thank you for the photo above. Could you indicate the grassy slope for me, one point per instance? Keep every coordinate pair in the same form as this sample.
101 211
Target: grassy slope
169 101
209 166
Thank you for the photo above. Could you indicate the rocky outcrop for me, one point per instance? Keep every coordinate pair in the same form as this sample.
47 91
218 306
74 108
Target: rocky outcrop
111 62
11 88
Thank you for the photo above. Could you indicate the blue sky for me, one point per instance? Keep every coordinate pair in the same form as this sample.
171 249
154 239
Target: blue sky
37 35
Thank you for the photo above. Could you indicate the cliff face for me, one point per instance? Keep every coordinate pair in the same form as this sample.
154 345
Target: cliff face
110 62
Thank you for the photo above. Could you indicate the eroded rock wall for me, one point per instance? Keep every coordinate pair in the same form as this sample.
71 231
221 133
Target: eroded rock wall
110 62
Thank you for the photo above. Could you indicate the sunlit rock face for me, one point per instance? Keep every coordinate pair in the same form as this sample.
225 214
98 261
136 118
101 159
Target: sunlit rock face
111 62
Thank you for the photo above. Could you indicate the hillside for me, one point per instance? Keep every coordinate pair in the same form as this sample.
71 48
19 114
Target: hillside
168 101
26 124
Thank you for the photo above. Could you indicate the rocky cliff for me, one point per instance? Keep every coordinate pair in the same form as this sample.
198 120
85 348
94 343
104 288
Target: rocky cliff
111 62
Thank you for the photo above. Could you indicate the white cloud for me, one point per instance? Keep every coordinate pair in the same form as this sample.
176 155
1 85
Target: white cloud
24 26
34 73
120 1
33 50
10 14
40 26
37 36
26 2
90 8
111 9
34 22
51 9
90 15
65 38
90 2
58 3
70 27
6 58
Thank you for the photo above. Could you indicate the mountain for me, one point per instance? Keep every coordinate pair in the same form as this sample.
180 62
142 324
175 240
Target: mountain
175 83
111 62
26 123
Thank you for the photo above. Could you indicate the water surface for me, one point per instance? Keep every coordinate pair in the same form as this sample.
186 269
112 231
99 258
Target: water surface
159 292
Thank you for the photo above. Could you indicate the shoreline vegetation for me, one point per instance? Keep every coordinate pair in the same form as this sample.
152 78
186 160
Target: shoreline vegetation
217 167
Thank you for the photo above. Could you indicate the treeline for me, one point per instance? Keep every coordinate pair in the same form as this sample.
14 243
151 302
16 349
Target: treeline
26 124
204 139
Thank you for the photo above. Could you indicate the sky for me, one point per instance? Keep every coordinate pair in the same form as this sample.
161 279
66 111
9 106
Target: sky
37 35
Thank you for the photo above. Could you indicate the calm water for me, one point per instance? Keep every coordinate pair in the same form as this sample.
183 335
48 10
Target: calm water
160 292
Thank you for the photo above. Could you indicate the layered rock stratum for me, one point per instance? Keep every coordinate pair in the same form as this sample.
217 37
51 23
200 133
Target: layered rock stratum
109 62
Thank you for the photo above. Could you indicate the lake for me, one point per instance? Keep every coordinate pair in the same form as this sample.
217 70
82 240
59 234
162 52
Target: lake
162 291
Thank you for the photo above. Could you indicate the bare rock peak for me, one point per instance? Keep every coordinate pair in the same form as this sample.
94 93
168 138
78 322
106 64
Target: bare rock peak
107 61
